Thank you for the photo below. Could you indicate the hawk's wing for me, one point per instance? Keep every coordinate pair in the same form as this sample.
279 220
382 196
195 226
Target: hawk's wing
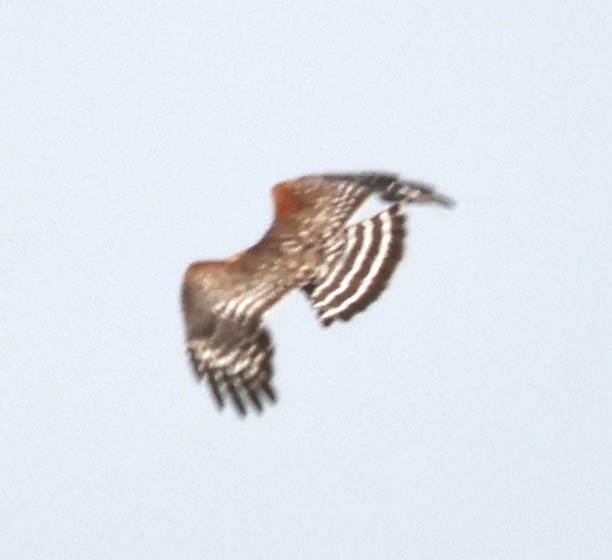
329 200
226 340
358 260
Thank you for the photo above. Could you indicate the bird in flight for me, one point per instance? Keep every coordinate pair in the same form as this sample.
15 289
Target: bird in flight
341 268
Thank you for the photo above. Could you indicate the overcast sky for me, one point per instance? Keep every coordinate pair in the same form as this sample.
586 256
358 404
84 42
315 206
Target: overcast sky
466 414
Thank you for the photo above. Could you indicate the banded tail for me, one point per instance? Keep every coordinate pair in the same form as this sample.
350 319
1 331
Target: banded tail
360 265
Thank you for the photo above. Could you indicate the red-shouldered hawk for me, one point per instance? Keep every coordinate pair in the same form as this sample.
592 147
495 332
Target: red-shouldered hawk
342 269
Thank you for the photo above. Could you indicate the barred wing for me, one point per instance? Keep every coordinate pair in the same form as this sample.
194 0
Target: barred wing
389 186
226 341
239 367
334 198
359 266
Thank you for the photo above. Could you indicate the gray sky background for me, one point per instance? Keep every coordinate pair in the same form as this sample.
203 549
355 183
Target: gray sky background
467 414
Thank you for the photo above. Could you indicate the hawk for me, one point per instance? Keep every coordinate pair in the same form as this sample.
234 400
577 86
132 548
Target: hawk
341 268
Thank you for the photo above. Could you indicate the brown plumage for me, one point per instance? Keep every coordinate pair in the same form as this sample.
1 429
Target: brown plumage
342 268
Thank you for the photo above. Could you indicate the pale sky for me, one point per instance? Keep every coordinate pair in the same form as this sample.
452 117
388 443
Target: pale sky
466 415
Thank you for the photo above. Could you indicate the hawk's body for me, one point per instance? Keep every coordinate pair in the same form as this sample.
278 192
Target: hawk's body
309 245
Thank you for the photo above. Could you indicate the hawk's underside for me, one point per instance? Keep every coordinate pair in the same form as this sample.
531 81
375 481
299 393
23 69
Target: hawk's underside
342 268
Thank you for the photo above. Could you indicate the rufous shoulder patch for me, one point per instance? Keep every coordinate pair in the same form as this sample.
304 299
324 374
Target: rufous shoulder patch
285 200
